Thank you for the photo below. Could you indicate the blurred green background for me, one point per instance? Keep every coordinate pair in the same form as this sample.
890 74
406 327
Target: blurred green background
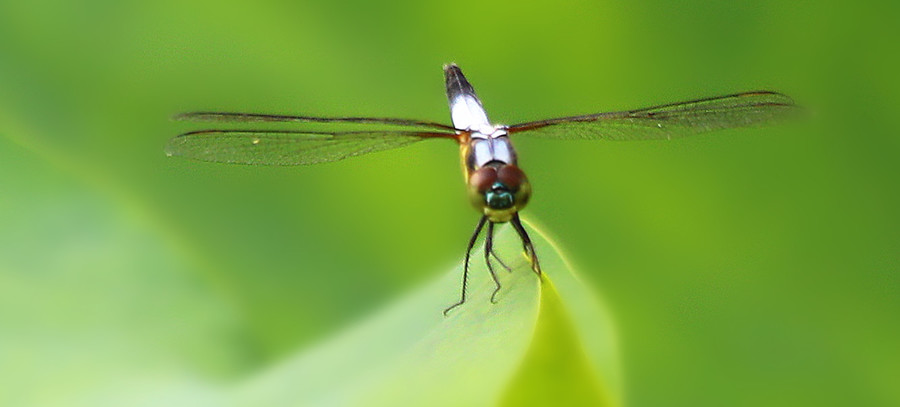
747 267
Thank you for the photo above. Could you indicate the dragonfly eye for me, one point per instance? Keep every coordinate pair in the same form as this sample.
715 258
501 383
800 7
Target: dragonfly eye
499 197
499 191
511 176
483 179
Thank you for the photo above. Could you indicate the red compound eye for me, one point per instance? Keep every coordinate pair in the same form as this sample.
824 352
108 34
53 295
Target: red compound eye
483 179
511 176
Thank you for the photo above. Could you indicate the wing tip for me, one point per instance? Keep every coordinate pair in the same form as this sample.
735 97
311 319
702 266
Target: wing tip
171 148
186 116
787 100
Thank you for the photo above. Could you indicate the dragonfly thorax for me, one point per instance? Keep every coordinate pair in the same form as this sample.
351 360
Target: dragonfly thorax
488 131
499 190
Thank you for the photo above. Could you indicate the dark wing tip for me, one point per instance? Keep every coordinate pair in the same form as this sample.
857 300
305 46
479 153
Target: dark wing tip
451 67
216 116
781 97
777 99
189 116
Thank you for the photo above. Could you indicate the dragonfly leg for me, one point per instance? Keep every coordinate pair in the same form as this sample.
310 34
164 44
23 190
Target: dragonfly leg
499 260
466 265
526 244
488 248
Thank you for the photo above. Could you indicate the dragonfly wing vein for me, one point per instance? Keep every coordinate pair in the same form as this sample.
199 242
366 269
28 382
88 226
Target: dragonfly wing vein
229 117
668 121
284 148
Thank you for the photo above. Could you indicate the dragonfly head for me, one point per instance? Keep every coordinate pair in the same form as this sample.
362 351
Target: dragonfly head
499 190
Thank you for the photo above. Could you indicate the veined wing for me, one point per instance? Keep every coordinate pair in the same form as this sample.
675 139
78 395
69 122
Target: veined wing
668 121
287 147
274 118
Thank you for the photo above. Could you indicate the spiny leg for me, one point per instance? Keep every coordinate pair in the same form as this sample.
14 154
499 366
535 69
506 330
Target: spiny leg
466 266
499 260
488 248
526 243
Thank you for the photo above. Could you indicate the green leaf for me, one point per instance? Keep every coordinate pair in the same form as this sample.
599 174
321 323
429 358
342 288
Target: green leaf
97 305
556 370
542 343
132 327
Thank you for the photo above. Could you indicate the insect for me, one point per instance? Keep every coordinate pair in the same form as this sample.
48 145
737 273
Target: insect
496 186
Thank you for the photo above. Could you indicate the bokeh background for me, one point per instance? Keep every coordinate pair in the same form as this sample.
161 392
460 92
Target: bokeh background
747 267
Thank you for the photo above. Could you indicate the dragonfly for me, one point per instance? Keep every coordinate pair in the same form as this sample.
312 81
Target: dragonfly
496 186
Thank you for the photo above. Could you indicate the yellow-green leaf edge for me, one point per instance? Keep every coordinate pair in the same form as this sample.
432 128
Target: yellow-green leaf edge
547 342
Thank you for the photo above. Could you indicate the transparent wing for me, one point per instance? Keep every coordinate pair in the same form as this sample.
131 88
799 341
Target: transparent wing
274 118
269 147
668 121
